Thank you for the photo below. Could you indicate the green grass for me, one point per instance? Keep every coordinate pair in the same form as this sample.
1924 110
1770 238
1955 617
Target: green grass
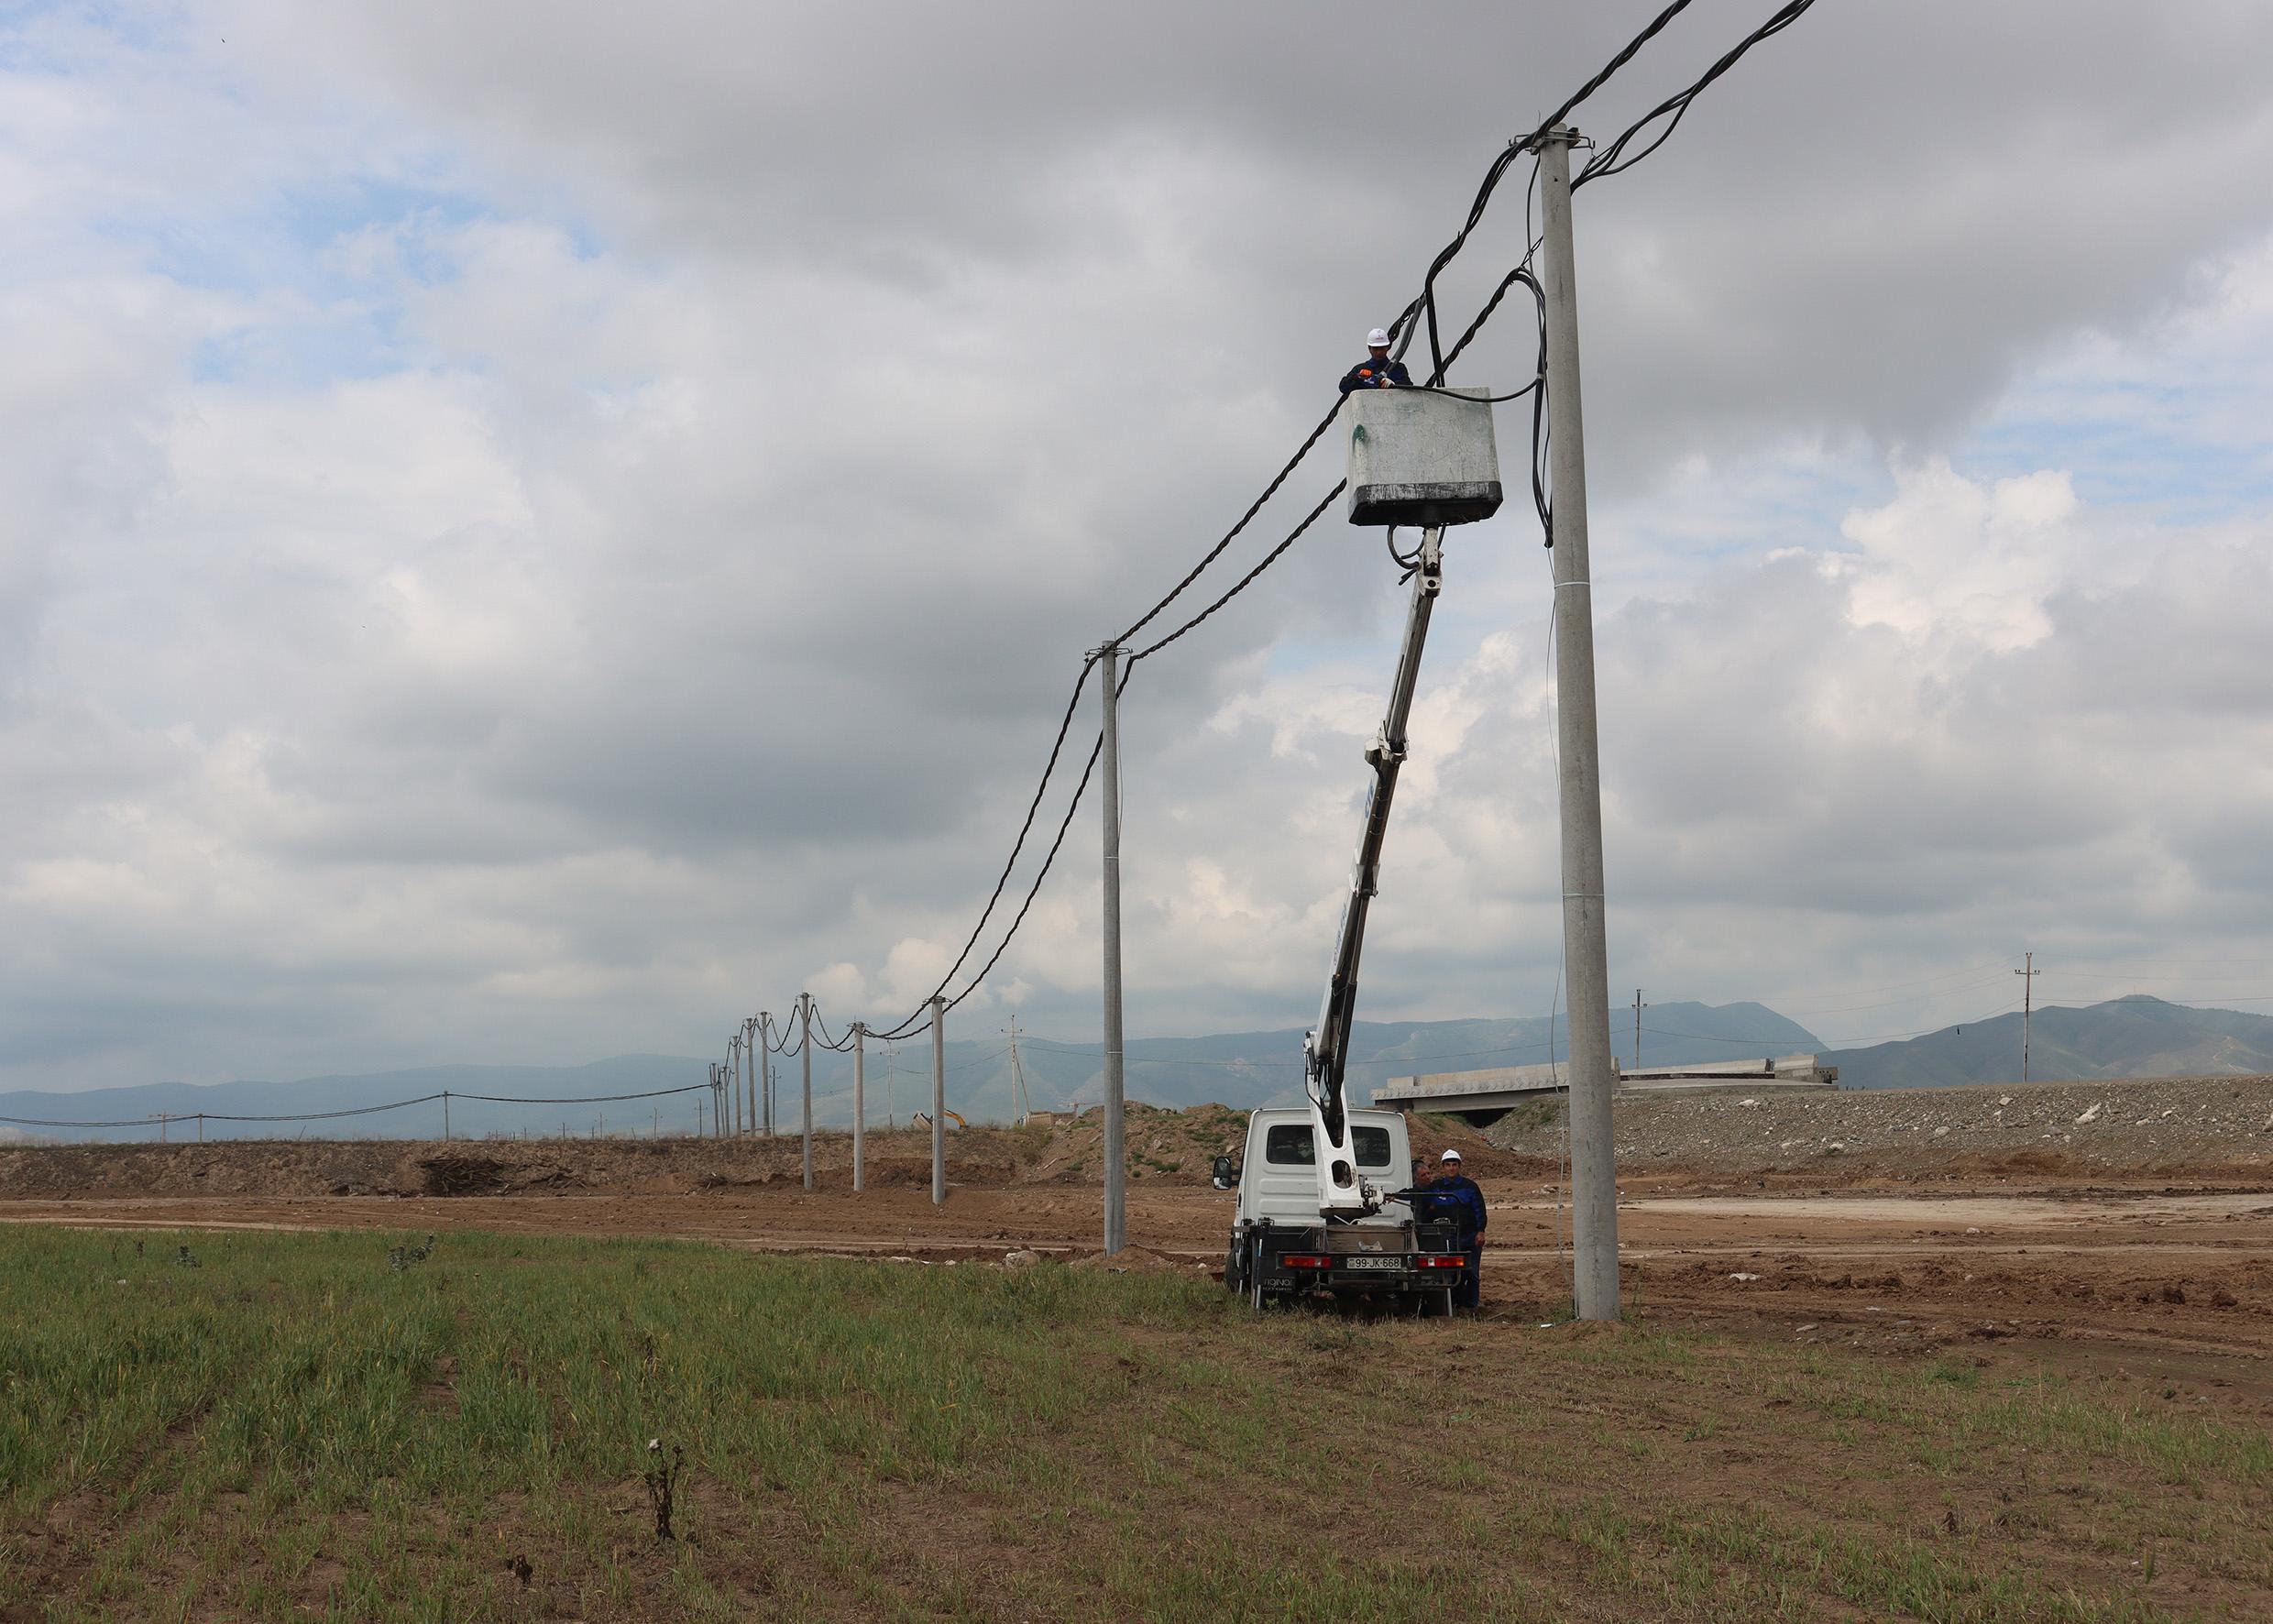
295 1429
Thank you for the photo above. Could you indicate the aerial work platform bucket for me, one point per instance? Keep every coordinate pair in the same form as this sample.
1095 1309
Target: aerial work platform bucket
1420 457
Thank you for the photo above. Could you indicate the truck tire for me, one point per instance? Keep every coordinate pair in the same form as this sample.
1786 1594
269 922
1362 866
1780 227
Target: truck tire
1236 1267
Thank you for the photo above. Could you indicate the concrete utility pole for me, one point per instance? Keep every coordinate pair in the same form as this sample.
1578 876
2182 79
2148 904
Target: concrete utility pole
2028 1006
1586 944
805 1047
1639 1007
733 1081
860 1105
1117 1172
766 1066
938 1101
445 1117
750 1069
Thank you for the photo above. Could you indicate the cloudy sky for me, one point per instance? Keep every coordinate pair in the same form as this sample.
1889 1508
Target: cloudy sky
533 531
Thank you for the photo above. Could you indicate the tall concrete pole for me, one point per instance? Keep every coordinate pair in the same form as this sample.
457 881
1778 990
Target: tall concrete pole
766 1068
1585 948
733 1080
749 1073
860 1105
938 1101
1116 1171
805 1047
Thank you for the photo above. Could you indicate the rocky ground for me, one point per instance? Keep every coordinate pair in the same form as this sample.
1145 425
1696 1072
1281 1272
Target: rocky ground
2209 1128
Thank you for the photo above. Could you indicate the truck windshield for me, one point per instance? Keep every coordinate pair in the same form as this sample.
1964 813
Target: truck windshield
1287 1144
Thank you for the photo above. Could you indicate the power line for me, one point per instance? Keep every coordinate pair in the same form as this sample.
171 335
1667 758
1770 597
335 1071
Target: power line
1612 160
136 1122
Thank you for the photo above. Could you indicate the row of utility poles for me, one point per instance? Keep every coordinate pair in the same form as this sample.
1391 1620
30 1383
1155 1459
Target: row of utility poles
741 1089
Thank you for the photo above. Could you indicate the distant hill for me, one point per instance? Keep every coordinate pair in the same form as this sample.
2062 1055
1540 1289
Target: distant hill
2135 1036
1241 1069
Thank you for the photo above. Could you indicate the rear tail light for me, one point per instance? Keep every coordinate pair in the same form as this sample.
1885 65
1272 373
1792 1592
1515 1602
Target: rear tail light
1439 1260
1304 1260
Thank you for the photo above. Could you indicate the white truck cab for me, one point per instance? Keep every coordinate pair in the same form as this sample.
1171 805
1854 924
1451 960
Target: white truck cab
1282 1245
1278 1176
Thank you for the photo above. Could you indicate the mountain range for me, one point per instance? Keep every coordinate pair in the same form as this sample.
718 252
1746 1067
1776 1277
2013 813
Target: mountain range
2136 1036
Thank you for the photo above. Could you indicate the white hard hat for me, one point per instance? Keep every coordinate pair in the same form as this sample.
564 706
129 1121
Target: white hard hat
1449 1156
1377 339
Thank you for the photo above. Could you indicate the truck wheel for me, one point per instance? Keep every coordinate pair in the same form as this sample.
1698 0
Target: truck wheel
1235 1268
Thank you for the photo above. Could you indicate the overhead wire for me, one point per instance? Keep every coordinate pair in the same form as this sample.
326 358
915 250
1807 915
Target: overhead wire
172 1116
1612 160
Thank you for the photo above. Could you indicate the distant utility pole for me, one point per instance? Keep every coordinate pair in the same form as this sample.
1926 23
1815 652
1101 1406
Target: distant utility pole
1117 1194
938 1101
445 1117
1021 1103
891 1085
1585 943
733 1080
1639 1007
805 1047
2028 1006
860 1105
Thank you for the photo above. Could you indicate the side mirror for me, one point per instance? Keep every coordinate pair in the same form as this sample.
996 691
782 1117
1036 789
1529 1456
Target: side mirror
1225 1173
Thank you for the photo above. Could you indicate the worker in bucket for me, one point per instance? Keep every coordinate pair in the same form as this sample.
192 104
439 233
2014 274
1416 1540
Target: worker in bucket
1377 372
1457 1197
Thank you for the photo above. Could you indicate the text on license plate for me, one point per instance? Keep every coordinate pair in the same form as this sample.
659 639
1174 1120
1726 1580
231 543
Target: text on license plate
1364 1262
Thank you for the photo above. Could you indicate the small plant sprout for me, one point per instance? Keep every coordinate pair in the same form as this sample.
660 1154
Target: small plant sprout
662 1479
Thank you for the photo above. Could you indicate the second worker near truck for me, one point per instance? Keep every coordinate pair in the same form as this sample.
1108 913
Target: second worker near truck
1454 1198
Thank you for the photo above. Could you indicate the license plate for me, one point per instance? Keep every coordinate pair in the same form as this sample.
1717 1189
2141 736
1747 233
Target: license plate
1362 1261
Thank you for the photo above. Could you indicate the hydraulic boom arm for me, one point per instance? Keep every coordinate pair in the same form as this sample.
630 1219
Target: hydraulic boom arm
1325 1052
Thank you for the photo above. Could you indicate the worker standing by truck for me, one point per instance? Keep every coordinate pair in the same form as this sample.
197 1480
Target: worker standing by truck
1456 1196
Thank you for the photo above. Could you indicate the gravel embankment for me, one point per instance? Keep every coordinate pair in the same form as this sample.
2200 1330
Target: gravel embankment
2218 1126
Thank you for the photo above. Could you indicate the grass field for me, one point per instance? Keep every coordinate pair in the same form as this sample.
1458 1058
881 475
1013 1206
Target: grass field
296 1429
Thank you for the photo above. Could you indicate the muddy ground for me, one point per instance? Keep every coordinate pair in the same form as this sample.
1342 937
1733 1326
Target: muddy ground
2142 1251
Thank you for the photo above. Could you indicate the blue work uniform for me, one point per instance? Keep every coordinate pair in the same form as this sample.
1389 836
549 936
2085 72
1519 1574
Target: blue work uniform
1459 1199
1370 374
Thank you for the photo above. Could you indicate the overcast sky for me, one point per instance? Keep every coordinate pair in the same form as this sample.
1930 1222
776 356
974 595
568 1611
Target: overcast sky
530 532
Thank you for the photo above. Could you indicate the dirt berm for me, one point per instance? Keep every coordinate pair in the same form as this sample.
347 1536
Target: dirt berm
1163 1147
2194 1127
